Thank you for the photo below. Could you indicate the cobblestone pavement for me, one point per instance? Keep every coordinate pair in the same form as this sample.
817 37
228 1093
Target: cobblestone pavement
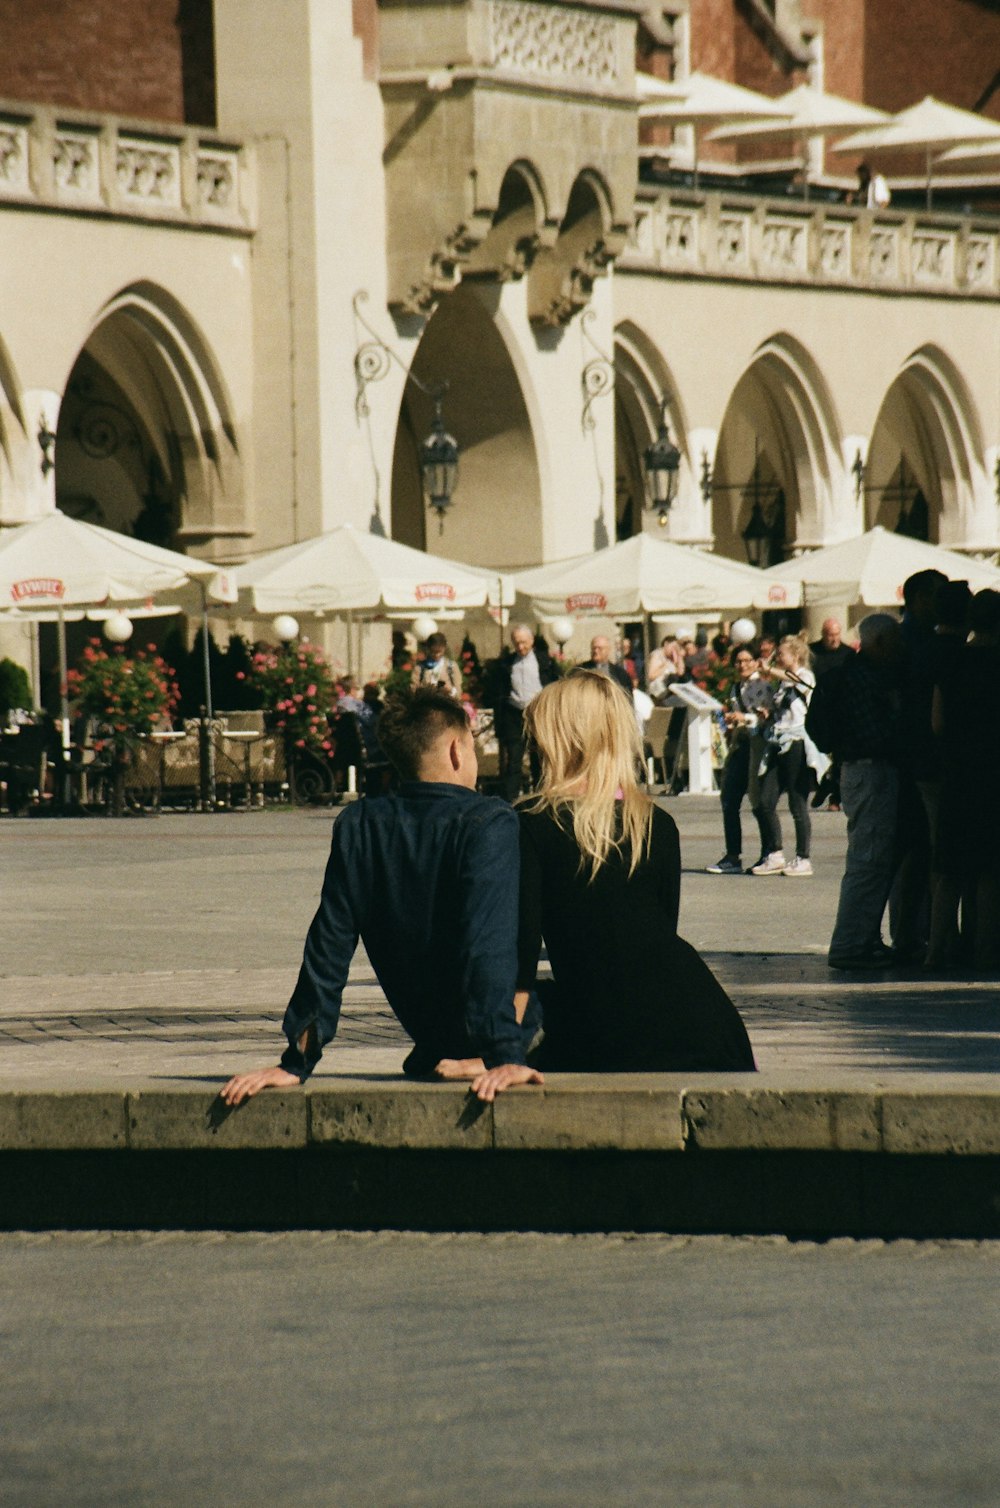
167 947
393 1369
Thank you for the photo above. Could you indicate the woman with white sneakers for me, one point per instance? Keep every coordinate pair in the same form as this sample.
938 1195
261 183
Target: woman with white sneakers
789 760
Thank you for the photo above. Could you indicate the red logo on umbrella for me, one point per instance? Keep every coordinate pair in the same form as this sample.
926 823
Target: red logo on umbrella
38 586
777 593
435 591
584 600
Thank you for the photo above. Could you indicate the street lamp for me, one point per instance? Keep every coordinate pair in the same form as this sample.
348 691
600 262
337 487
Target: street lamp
661 461
286 627
117 628
757 538
438 462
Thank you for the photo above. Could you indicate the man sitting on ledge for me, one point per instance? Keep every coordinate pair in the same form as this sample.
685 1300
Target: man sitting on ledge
428 878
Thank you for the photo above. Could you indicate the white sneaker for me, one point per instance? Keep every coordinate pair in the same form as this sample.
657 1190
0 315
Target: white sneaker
772 863
798 868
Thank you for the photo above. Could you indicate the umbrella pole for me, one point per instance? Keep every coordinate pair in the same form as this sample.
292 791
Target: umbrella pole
350 642
694 138
500 607
64 708
208 711
928 177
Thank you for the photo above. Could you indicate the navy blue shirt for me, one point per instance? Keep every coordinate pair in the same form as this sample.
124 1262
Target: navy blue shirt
428 878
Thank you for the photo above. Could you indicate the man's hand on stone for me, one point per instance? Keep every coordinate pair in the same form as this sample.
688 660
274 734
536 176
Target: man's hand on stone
490 1083
459 1068
243 1086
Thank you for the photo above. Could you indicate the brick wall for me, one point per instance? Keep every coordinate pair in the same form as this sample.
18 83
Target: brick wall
948 48
150 58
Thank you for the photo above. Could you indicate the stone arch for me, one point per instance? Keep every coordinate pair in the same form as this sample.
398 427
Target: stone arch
147 441
779 447
521 225
925 453
642 381
588 240
14 438
496 518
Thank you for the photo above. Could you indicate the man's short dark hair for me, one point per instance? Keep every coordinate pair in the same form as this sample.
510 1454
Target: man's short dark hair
922 584
413 721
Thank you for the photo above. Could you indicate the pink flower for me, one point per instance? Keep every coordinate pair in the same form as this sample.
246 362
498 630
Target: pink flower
311 690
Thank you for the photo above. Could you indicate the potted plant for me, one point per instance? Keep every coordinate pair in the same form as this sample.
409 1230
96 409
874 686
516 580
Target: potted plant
127 696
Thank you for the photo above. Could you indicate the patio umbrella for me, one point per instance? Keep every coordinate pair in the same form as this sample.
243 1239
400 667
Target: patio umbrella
701 100
871 569
983 155
647 575
57 567
811 112
930 127
348 570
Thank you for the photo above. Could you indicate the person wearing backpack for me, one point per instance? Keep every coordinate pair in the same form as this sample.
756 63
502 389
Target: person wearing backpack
855 715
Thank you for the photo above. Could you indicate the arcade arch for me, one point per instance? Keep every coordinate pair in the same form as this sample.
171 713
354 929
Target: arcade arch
146 442
496 518
925 447
778 454
642 381
13 437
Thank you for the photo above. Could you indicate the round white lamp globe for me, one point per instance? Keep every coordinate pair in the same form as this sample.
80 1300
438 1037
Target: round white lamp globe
286 627
424 626
118 628
562 630
742 631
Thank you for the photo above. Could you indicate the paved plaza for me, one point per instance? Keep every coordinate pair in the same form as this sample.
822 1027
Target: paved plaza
166 947
376 1371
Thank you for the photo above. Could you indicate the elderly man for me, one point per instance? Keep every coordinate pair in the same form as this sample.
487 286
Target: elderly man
600 660
512 683
860 703
428 878
829 650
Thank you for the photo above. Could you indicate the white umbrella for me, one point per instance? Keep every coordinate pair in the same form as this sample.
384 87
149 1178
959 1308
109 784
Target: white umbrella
984 155
647 575
348 570
930 127
648 87
58 567
811 112
871 569
700 100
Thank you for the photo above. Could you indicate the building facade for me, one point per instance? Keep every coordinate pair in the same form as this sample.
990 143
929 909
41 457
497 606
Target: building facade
230 232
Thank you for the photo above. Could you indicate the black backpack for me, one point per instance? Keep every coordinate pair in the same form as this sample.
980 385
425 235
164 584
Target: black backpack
824 715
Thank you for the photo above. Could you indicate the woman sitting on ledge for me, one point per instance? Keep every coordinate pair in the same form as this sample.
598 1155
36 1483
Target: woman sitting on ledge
600 883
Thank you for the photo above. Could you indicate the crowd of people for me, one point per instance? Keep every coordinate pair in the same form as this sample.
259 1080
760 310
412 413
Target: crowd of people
454 892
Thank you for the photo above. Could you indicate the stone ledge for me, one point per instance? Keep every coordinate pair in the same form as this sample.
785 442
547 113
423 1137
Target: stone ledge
954 1115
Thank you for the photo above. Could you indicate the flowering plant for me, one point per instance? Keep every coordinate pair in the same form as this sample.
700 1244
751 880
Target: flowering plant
127 695
715 675
295 684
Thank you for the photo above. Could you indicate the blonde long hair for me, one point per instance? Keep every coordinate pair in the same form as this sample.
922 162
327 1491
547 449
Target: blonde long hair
590 748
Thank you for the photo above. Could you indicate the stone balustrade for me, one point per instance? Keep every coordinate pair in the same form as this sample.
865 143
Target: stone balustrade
765 240
103 165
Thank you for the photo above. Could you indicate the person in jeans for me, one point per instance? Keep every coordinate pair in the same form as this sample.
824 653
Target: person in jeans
749 702
868 743
786 768
428 879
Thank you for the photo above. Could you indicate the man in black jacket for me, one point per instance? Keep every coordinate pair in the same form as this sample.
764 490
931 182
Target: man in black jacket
513 682
428 878
601 661
862 728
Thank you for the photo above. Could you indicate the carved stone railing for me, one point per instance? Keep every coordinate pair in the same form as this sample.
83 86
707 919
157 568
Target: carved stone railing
766 240
63 159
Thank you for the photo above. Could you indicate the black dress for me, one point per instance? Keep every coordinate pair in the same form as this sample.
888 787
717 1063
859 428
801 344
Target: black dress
627 994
